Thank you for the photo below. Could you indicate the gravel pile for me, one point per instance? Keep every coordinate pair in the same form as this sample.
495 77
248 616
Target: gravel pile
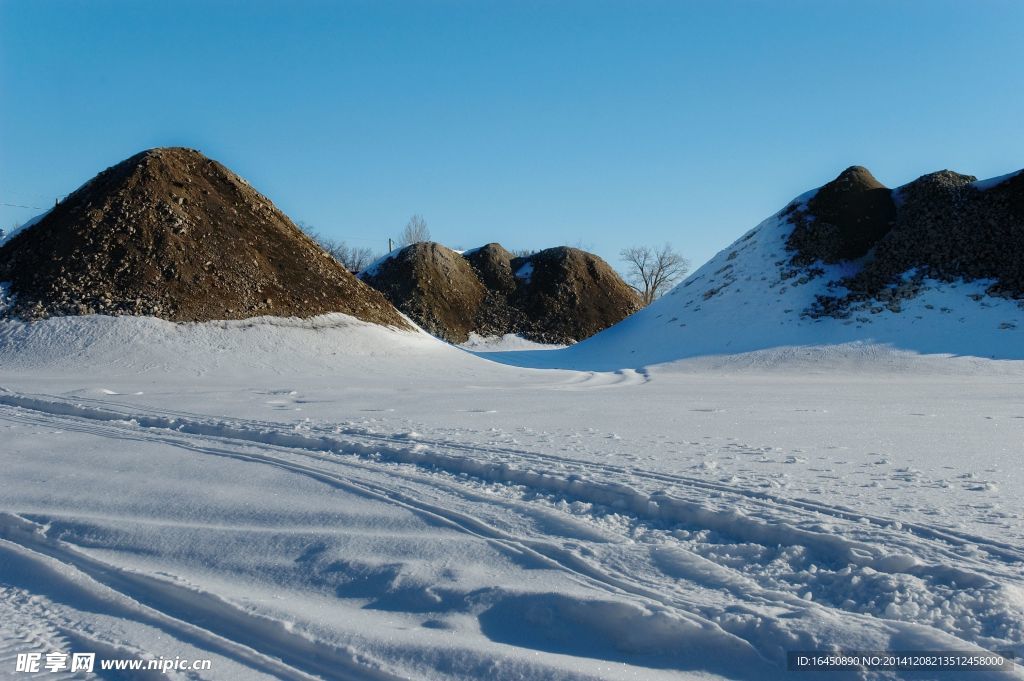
173 234
942 226
559 295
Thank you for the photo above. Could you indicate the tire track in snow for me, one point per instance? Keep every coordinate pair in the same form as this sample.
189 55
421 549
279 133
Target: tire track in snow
326 438
743 660
323 448
30 622
253 641
656 505
532 553
27 627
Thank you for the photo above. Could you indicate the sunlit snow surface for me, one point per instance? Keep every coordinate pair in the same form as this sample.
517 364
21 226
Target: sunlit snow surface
331 499
510 342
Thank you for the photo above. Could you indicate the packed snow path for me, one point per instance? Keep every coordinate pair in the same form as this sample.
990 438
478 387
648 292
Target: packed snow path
595 569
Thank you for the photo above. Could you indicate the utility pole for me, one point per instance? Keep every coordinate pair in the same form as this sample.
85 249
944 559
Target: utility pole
390 246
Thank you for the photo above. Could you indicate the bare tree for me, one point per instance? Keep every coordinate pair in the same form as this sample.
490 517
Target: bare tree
415 231
359 259
353 258
653 272
335 248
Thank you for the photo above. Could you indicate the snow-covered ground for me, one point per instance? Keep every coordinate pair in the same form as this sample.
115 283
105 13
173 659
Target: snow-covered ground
330 499
510 342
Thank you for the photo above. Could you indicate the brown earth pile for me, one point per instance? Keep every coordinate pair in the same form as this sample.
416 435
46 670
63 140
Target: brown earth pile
943 227
493 264
571 295
434 285
562 295
498 313
173 234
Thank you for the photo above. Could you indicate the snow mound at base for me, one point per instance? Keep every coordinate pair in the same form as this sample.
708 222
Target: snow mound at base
328 344
509 342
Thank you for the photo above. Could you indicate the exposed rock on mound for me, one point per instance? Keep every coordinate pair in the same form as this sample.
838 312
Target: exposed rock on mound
173 234
570 294
560 295
493 264
1010 192
498 314
930 234
432 284
844 219
947 226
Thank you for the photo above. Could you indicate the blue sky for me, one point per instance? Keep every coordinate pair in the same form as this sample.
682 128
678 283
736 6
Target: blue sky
602 124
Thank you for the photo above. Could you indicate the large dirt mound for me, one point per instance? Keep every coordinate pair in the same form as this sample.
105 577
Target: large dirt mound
569 294
498 313
173 234
493 264
560 295
944 226
844 219
432 284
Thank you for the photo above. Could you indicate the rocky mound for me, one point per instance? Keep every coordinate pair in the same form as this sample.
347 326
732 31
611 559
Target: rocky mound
173 234
844 219
943 226
432 284
569 294
560 295
493 264
498 314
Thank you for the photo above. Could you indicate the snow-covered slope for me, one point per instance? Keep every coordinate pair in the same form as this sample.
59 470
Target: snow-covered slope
750 297
136 346
332 499
7 236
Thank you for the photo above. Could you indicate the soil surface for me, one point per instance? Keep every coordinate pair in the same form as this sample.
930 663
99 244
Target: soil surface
174 234
570 295
559 295
844 219
435 286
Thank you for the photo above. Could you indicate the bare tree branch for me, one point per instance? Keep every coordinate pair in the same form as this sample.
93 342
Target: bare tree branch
415 231
360 259
652 273
352 258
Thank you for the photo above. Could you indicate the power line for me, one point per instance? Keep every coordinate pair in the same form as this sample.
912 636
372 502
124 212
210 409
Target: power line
16 205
